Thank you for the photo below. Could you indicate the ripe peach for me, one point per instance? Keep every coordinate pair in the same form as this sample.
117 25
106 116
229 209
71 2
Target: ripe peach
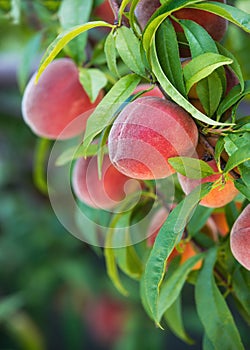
240 238
156 92
58 98
147 132
104 193
216 198
221 220
188 252
104 12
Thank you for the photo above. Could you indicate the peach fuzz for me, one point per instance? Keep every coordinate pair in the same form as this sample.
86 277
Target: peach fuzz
58 102
147 132
104 193
217 197
240 238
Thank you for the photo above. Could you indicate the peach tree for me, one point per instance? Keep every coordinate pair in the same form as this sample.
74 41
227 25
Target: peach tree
143 111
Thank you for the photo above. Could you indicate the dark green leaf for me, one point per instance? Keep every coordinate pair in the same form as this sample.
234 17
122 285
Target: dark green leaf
210 91
243 188
241 287
171 289
191 167
212 309
173 317
238 157
199 219
168 55
233 97
198 38
103 115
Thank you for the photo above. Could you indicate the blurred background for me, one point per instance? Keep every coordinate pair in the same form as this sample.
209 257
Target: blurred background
54 291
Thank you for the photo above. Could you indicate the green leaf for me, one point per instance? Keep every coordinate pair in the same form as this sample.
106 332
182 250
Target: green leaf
212 309
171 289
129 49
129 261
110 52
168 55
235 66
63 39
174 93
173 317
210 91
219 147
232 14
92 80
241 287
9 305
40 164
72 13
202 66
242 187
199 219
240 156
191 167
168 236
103 114
233 142
233 97
198 38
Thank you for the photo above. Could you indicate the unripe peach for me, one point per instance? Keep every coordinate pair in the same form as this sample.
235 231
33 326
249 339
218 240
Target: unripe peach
104 193
58 98
240 238
216 198
147 132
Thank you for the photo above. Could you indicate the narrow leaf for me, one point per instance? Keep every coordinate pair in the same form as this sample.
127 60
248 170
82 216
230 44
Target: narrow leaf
213 310
191 167
202 66
243 188
110 52
168 236
63 39
240 156
175 94
168 55
128 46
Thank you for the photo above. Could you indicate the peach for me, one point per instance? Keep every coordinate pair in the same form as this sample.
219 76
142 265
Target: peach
104 12
216 198
147 132
144 10
221 223
57 100
240 238
104 193
188 252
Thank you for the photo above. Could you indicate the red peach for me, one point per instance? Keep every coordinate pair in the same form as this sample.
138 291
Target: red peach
156 92
104 193
240 238
147 132
104 12
57 100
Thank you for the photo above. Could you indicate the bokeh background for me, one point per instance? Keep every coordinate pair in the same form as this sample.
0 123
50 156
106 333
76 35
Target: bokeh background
54 291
